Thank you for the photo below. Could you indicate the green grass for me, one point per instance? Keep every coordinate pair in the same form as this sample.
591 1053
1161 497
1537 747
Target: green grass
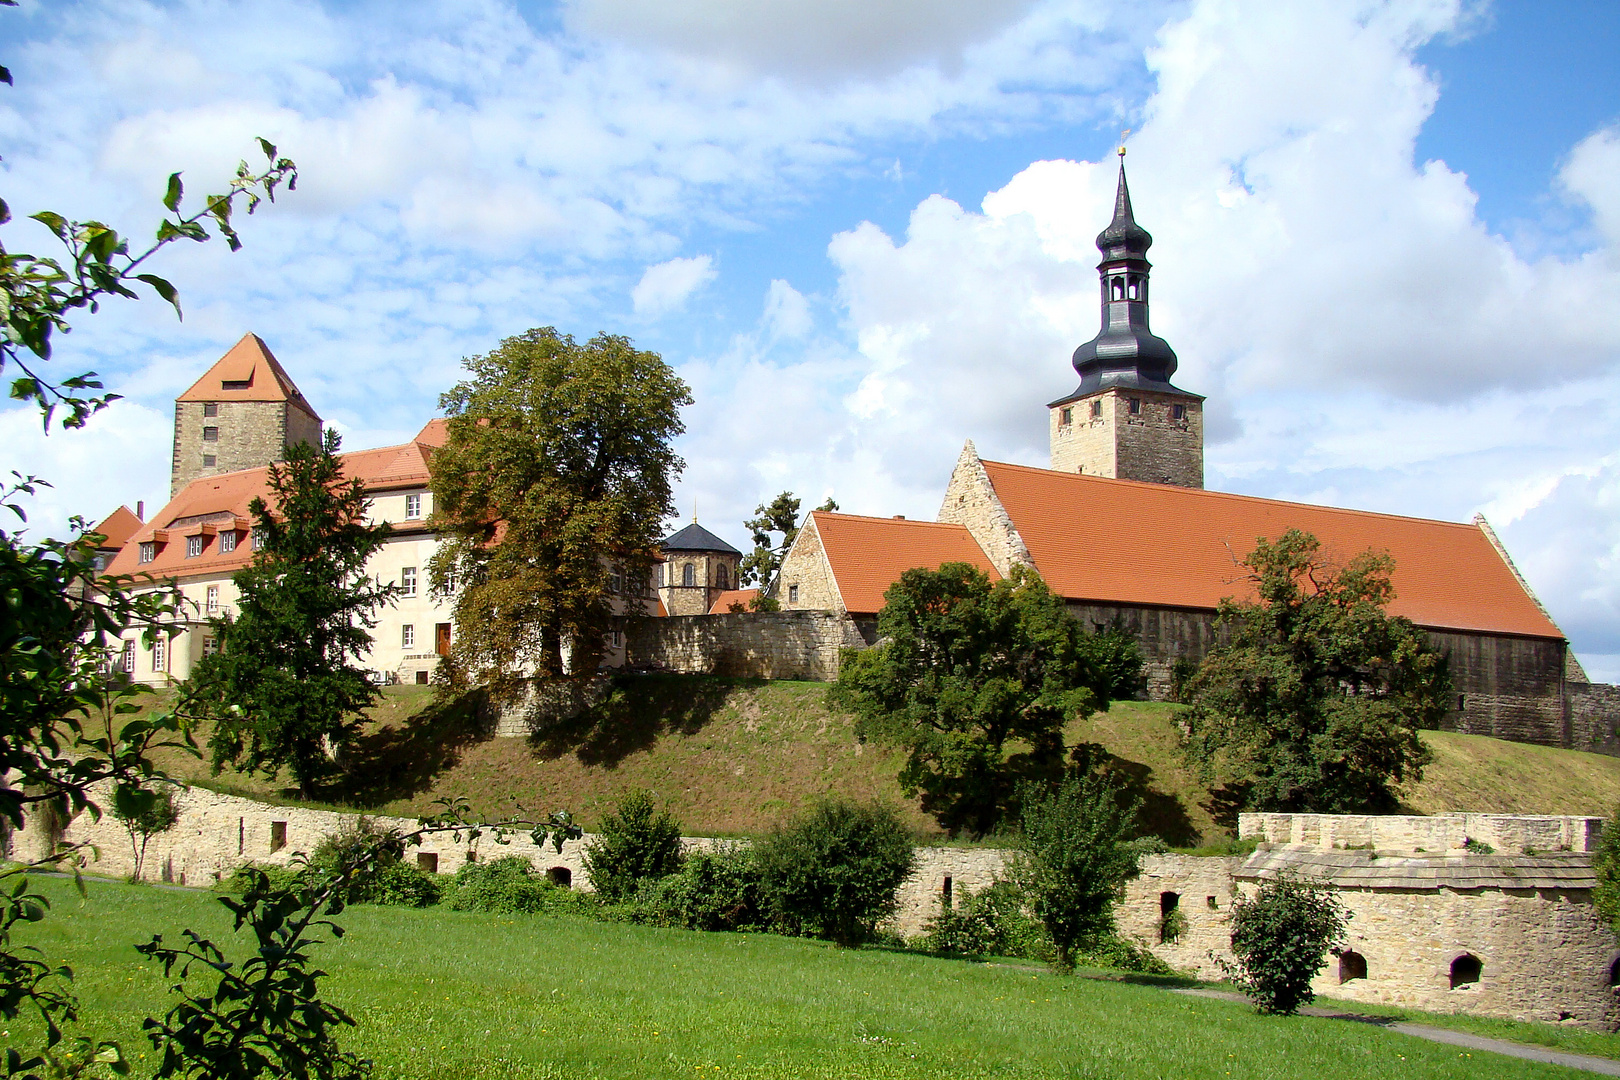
441 994
1569 1040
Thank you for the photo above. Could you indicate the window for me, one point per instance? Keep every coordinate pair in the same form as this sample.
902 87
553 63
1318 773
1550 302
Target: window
1465 971
210 645
1136 406
148 551
1178 412
1171 921
227 541
1096 408
1462 703
441 638
945 893
258 539
194 546
1133 288
1116 288
407 581
413 506
160 654
210 434
1065 416
126 663
615 583
209 461
407 636
427 862
793 594
211 408
721 578
561 876
688 574
236 384
278 835
212 603
1352 965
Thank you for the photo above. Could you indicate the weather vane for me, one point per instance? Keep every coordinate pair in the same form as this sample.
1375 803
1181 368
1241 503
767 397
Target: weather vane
1122 135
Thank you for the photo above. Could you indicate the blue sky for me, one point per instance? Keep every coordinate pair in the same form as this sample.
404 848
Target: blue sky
1388 233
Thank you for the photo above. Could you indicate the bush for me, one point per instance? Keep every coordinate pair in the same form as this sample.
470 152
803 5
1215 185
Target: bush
713 890
384 877
833 872
506 886
1118 954
995 921
636 843
1606 865
1280 940
1074 861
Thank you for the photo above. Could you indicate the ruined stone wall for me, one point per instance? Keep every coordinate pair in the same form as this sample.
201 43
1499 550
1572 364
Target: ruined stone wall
1594 716
1509 687
1200 889
756 645
248 435
1439 833
806 580
971 502
922 895
1149 444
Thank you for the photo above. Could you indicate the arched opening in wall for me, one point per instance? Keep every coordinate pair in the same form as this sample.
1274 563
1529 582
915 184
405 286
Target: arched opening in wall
1171 921
688 575
561 875
1352 965
720 578
1465 971
1614 971
1116 288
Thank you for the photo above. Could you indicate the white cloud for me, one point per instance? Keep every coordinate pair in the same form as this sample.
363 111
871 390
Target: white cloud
666 287
1592 175
787 312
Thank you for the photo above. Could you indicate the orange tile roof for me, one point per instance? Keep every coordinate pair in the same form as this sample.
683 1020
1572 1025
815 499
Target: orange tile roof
215 497
1121 541
119 526
722 603
434 434
869 554
255 373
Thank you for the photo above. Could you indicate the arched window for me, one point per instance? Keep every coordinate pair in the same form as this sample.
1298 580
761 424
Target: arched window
688 574
1465 970
1352 965
1116 288
1133 288
720 577
1614 972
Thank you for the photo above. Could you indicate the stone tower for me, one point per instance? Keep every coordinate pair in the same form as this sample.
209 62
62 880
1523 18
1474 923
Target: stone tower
240 415
698 567
1125 420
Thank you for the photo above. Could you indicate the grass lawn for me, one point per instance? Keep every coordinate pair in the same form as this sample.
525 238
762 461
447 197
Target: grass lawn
441 994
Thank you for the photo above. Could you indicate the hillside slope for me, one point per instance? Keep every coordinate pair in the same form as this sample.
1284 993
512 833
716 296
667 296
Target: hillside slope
734 757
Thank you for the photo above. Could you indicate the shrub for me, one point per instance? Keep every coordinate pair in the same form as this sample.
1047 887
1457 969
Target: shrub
833 872
713 890
636 843
1280 940
506 886
384 877
995 921
1606 865
1074 860
1119 954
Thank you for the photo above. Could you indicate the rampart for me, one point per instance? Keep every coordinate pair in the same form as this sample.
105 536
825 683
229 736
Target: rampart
758 645
1594 717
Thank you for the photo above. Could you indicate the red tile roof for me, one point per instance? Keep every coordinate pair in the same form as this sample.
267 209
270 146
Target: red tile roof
120 525
1121 541
869 554
722 603
254 375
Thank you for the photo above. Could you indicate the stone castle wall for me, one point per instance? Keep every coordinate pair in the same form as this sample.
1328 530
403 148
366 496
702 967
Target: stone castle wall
1594 716
1149 445
755 645
250 434
806 580
971 502
1510 687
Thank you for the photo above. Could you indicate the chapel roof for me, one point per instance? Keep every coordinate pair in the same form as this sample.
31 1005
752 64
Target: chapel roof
696 538
118 527
1126 542
249 371
868 554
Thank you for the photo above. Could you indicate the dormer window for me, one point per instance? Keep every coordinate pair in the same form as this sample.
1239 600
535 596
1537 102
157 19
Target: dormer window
148 551
413 506
236 384
227 541
194 546
258 539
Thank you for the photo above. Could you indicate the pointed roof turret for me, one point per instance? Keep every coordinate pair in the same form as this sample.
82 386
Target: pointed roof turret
1125 353
248 372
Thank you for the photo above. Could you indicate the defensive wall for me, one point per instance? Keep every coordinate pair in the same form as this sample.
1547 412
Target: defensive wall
1436 923
758 645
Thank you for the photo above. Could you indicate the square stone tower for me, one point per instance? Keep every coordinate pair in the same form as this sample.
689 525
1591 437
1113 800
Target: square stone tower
1126 420
240 415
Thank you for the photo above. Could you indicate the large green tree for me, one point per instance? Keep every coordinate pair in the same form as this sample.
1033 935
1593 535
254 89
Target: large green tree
557 471
1313 697
976 680
283 687
780 515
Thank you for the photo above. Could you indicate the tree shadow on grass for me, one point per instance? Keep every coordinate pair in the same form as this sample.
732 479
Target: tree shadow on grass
1161 814
397 761
638 711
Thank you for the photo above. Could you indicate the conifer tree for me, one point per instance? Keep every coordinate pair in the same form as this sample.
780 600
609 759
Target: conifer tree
283 688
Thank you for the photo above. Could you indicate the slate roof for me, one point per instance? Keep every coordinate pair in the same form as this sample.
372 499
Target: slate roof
1457 871
1122 541
696 538
253 374
869 554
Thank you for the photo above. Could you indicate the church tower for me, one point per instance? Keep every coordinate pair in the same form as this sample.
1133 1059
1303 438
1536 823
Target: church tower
1125 420
240 415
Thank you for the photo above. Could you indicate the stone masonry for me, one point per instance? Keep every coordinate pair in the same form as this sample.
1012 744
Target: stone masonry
971 502
806 580
755 645
239 435
1130 435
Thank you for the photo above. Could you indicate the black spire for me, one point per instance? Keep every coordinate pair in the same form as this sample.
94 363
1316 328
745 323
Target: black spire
1125 353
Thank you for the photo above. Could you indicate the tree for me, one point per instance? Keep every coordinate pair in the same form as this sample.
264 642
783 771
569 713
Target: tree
558 464
1313 696
283 687
1074 860
145 822
1281 938
833 872
781 515
637 842
966 670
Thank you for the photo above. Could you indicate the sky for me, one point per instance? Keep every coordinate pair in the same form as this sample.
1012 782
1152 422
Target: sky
1387 234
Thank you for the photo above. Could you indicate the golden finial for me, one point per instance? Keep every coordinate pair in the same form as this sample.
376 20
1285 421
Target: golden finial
694 510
